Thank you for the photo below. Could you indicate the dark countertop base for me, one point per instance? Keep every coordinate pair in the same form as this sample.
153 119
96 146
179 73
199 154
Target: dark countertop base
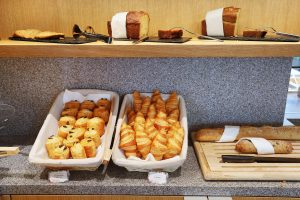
18 176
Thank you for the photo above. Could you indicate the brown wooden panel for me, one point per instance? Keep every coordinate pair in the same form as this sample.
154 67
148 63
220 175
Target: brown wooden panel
4 197
264 198
195 48
93 197
60 15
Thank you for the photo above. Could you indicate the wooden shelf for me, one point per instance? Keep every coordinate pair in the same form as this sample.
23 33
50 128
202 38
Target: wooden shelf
193 48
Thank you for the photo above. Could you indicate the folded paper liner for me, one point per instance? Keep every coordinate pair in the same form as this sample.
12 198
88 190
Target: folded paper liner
262 145
230 134
214 22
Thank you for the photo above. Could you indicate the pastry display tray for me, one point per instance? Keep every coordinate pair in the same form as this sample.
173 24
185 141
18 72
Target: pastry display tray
267 39
209 157
66 40
156 39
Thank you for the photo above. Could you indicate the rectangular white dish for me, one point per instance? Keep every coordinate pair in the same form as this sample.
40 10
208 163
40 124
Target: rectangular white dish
168 165
38 154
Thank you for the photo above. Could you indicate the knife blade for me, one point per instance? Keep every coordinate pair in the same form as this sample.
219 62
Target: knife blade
259 159
143 39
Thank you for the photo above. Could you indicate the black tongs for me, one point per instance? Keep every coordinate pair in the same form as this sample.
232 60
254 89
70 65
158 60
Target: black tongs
90 33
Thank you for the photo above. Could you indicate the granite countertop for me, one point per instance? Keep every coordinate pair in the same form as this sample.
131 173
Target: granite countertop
18 176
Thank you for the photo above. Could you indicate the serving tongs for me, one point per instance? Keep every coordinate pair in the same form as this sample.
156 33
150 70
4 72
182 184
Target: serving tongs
273 30
90 33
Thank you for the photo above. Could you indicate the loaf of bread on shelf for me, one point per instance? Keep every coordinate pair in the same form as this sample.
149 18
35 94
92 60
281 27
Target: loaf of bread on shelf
230 22
49 35
27 33
170 34
267 132
136 25
280 146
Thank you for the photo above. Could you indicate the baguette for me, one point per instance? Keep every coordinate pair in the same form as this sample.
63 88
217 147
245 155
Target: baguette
280 147
267 132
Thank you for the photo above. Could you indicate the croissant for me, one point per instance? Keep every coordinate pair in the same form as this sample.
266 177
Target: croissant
172 102
137 101
159 145
142 140
173 116
155 96
160 106
175 139
150 128
130 116
151 111
127 140
161 121
145 105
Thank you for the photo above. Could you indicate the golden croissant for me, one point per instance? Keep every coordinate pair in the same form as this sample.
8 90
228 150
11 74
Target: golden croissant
145 106
127 140
130 117
151 111
155 96
161 121
173 116
142 140
172 102
159 145
150 128
175 140
137 101
160 106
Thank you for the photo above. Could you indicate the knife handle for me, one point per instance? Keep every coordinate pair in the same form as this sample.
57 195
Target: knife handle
237 159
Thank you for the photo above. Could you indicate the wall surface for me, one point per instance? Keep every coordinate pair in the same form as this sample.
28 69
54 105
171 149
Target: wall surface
217 91
58 15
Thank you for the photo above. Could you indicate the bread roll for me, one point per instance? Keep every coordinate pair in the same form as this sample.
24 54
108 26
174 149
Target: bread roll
77 132
280 147
267 132
82 122
97 124
77 151
72 104
104 102
89 147
94 135
70 141
63 131
66 120
70 112
102 112
51 144
61 152
87 104
85 113
28 33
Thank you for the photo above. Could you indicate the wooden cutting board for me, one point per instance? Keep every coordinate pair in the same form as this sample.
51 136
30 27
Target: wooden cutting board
209 158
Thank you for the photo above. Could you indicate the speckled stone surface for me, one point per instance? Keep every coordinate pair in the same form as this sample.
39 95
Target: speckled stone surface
217 91
18 176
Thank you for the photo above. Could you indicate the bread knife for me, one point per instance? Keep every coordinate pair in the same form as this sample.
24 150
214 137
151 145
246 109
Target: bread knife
259 159
143 39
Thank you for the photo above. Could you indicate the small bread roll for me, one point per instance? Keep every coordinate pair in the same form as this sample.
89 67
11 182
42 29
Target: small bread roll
63 131
72 104
77 151
82 122
280 146
66 120
70 112
77 132
97 124
89 147
102 112
87 104
70 141
51 144
104 102
85 113
94 135
61 152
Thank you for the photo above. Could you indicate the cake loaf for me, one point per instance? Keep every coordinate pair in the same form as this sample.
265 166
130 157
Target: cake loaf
137 25
230 21
170 34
